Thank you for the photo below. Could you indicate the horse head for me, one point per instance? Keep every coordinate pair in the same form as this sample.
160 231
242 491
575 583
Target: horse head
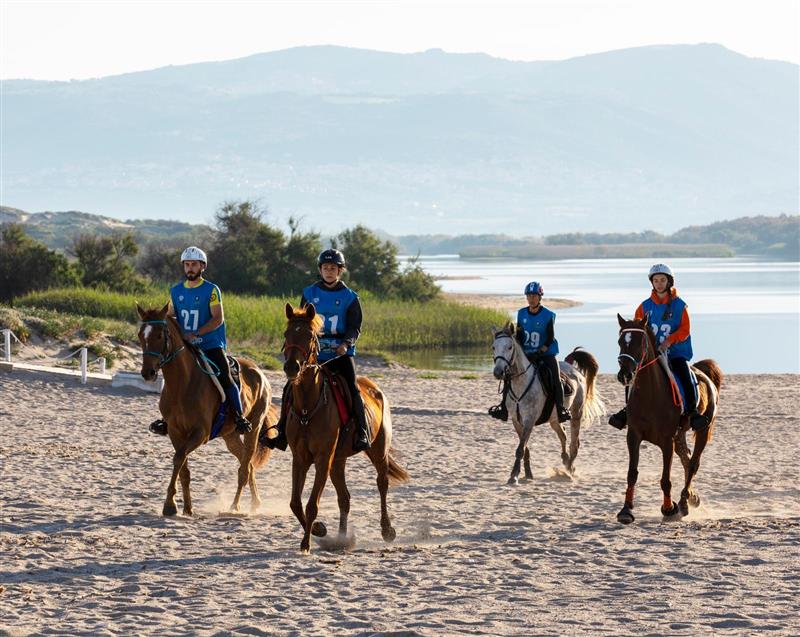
154 339
300 340
635 342
504 349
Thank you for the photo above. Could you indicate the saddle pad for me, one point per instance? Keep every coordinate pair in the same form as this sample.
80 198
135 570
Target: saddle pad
338 389
677 387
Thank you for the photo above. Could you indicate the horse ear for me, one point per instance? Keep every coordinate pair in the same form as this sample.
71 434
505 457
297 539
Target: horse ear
163 311
621 320
289 311
311 311
646 319
140 311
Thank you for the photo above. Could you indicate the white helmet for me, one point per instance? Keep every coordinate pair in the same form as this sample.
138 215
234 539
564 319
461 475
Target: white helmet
660 268
193 253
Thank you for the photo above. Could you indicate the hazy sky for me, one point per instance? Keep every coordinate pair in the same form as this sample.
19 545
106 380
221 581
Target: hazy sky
77 40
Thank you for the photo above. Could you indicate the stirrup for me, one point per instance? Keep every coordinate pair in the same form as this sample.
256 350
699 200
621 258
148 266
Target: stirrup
499 411
159 427
698 422
563 415
243 426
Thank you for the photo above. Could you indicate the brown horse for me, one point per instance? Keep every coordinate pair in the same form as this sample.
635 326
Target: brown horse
190 401
317 435
654 416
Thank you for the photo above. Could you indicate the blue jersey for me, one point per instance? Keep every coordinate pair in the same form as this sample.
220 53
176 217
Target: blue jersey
535 328
332 306
193 310
665 319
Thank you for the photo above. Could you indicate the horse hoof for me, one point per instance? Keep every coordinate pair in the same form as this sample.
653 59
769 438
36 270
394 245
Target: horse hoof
389 534
694 500
672 512
513 481
169 510
683 505
318 529
625 516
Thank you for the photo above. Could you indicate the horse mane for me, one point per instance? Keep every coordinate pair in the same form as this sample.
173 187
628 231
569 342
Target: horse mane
315 323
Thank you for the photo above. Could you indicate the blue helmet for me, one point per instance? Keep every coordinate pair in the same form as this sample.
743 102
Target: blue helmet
534 287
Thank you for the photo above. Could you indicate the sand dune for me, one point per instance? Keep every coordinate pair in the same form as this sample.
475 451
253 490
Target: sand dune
85 550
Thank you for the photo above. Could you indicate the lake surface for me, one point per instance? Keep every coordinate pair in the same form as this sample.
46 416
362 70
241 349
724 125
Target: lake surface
745 312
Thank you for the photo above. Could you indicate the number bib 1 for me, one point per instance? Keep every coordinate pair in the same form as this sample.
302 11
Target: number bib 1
332 306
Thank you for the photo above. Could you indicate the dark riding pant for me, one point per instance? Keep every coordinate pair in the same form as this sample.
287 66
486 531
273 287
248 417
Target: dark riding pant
217 356
551 363
680 367
345 366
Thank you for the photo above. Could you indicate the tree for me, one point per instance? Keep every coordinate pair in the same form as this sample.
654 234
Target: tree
373 266
27 265
371 263
107 261
253 257
160 262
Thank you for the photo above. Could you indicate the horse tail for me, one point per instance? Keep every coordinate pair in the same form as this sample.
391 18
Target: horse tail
710 368
262 452
397 475
587 364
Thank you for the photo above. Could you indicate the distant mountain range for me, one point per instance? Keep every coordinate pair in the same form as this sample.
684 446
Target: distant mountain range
654 137
772 237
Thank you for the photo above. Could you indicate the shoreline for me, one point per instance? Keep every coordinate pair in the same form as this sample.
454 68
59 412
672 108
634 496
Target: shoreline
503 302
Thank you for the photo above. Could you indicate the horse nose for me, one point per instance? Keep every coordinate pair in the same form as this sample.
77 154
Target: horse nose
148 374
498 373
290 368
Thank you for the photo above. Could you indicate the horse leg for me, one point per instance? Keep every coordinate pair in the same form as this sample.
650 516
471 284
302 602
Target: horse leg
321 471
683 453
574 443
178 460
562 438
185 478
243 455
519 454
380 461
342 494
625 515
527 463
701 440
299 471
668 508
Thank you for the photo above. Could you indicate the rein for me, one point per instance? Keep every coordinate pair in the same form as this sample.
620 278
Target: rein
640 364
303 416
164 356
508 362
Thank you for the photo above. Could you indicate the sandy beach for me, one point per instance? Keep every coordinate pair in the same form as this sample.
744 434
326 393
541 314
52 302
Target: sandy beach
504 302
85 550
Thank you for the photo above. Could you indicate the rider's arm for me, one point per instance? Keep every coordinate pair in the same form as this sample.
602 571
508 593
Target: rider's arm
550 335
639 314
682 333
217 315
353 322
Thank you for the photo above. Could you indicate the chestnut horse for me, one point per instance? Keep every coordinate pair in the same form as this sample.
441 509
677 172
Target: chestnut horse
317 435
654 416
190 401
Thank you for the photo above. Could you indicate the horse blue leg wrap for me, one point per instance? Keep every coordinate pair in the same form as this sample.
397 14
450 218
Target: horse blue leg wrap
234 400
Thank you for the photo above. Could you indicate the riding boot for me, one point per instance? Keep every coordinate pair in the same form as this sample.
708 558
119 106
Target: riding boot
698 421
280 441
501 411
558 395
243 425
620 419
159 427
361 441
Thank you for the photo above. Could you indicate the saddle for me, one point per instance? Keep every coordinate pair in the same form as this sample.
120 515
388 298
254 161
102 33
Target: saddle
344 402
548 381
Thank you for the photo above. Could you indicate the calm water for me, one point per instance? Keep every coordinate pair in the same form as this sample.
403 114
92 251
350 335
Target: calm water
745 313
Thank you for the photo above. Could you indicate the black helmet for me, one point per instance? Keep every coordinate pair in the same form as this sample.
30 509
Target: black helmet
331 255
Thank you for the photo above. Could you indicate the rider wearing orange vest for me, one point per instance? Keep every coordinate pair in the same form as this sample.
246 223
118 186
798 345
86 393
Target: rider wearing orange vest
668 318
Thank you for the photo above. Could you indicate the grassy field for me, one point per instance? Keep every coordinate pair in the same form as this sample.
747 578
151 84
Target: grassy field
256 325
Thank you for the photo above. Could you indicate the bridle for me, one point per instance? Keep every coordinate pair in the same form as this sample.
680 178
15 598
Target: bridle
306 353
509 362
164 356
638 364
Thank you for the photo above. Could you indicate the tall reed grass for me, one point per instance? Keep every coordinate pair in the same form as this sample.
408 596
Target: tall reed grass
388 325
